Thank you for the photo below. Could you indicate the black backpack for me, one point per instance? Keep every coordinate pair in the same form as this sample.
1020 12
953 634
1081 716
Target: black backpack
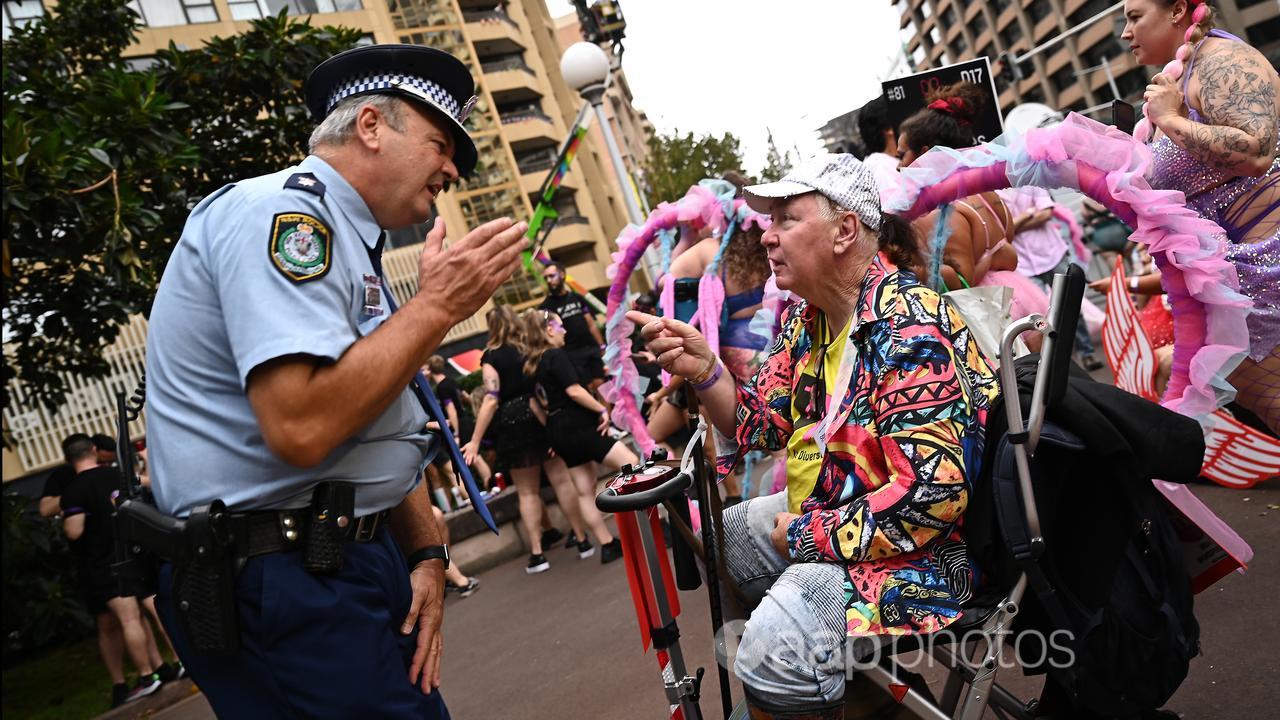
1127 606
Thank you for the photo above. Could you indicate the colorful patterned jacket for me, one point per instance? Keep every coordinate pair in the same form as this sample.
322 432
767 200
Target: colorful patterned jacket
908 442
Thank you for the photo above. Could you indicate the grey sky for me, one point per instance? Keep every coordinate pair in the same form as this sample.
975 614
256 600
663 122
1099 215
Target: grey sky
741 67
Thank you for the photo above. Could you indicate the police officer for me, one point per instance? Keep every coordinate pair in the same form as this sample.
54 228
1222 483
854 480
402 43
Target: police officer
276 366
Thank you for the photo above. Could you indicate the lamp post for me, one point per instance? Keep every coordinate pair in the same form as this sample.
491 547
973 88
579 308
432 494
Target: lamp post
586 69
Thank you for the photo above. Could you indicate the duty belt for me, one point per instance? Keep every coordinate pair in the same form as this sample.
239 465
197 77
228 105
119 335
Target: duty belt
268 531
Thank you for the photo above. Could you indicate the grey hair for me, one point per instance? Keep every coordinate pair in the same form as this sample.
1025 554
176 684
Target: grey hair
339 125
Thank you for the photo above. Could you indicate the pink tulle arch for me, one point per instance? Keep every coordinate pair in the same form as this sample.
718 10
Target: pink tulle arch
1109 166
698 209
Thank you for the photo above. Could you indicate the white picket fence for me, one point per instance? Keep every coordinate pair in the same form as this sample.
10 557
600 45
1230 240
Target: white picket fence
36 433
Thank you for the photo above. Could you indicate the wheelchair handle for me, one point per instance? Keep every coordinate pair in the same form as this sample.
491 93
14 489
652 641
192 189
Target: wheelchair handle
610 501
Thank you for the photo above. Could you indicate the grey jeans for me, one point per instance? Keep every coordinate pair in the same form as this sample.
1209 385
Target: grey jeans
790 653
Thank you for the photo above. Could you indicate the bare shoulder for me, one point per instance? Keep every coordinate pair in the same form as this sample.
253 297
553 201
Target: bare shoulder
691 262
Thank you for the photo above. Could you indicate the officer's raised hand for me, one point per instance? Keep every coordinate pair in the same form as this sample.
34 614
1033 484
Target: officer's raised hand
461 277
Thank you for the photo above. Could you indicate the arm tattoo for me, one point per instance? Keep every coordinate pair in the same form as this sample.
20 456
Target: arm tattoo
491 384
1238 99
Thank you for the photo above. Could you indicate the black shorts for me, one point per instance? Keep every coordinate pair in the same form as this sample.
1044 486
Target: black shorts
573 435
519 439
98 585
588 362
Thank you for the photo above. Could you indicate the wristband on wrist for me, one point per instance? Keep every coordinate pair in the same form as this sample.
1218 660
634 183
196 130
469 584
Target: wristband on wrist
430 552
1133 283
705 372
705 384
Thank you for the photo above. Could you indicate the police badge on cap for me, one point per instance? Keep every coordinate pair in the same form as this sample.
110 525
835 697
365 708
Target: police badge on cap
432 77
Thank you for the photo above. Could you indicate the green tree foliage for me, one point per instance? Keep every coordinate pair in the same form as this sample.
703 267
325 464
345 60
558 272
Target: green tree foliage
678 161
776 164
102 164
41 603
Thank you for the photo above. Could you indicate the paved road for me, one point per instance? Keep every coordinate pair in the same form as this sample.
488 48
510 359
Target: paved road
564 644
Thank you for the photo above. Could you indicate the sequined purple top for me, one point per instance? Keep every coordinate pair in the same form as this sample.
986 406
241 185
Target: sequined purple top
1212 193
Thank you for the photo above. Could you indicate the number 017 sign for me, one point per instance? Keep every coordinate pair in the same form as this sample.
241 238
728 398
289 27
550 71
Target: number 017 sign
906 95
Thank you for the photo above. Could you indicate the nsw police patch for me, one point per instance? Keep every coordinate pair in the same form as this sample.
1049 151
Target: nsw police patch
300 246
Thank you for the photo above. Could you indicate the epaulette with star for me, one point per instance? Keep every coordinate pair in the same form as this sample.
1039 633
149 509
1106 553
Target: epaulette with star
305 181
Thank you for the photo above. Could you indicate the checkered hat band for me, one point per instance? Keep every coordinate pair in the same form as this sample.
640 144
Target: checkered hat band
374 82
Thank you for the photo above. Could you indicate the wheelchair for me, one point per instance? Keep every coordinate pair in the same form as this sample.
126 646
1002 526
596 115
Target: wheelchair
973 649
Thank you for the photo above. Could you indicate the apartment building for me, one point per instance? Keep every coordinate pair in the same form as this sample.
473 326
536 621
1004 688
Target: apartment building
523 113
1073 74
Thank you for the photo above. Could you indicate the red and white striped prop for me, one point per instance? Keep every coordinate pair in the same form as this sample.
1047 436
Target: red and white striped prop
1235 455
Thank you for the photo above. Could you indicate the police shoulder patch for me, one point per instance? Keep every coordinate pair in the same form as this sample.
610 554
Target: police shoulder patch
300 246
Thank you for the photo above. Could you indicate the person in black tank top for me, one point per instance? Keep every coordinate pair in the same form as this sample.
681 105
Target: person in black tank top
576 420
520 438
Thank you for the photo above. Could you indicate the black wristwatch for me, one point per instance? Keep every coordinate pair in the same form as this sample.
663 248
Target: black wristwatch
430 552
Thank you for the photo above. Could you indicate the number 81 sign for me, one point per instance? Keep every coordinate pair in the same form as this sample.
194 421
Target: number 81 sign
906 95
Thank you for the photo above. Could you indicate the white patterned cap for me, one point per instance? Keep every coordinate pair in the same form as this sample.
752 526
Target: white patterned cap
840 177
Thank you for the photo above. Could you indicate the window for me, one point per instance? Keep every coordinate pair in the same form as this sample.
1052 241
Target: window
523 287
935 38
1107 48
167 13
1088 10
988 50
918 57
1011 35
1132 84
1062 79
1263 32
949 15
482 207
492 167
252 9
1038 10
421 13
1002 4
1035 94
141 64
18 13
959 46
978 24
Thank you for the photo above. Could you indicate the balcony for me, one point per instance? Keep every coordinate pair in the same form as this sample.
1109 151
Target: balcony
493 32
510 81
571 233
528 129
534 171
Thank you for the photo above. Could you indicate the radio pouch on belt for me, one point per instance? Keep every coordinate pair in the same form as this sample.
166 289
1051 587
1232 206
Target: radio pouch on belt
333 506
204 587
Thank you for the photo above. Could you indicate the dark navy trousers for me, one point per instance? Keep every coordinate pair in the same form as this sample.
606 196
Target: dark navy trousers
314 646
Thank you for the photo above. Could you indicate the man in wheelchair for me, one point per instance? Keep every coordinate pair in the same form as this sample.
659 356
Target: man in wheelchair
879 395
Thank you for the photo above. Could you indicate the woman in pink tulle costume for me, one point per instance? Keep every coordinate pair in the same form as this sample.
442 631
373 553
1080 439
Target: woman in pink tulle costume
1214 109
978 249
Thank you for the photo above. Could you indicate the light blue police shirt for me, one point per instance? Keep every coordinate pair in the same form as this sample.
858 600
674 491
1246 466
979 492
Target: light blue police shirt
231 299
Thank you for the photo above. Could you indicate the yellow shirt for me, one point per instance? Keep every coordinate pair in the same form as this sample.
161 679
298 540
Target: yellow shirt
804 459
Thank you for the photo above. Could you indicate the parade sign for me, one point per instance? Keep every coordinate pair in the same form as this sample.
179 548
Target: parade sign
906 95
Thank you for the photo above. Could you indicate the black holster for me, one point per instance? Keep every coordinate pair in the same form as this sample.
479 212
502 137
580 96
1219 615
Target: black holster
202 550
326 540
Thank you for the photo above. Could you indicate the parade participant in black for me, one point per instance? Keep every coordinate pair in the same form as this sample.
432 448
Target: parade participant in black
576 420
283 382
88 504
582 339
520 438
